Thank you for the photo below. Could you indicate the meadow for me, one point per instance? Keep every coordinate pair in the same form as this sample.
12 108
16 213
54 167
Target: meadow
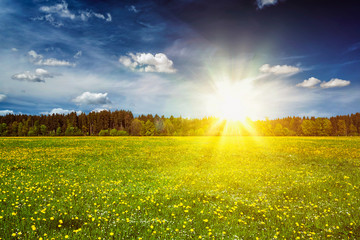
180 188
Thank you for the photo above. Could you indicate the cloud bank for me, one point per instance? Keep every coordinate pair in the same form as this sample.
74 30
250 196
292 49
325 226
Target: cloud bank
39 76
78 54
335 82
88 98
2 97
263 3
279 69
61 10
309 83
38 59
146 62
5 112
61 111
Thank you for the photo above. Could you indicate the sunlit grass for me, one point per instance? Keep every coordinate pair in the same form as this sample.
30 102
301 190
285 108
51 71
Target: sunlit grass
179 187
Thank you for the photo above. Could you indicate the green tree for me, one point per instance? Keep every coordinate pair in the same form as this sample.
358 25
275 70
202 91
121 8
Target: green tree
200 132
14 128
149 128
308 128
25 128
169 128
58 131
123 133
104 133
3 129
136 127
323 127
36 128
113 132
342 131
353 131
70 131
278 130
20 129
31 132
288 132
43 130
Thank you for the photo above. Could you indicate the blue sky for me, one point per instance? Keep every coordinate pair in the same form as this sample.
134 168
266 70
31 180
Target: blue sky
186 57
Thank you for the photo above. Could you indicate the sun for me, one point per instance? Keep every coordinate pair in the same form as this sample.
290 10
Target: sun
234 101
231 105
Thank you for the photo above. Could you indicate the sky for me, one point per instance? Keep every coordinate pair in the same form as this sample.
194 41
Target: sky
189 58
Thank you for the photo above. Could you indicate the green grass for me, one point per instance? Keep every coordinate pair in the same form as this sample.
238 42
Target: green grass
180 187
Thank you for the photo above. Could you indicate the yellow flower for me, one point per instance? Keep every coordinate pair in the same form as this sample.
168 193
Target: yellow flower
205 220
66 236
33 227
111 234
14 234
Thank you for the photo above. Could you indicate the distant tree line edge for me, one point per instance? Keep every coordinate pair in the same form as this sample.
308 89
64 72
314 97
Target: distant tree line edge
123 123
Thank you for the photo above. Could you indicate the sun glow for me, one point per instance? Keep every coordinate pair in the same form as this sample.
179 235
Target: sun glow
233 101
236 93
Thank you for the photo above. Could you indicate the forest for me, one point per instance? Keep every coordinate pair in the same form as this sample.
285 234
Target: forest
124 123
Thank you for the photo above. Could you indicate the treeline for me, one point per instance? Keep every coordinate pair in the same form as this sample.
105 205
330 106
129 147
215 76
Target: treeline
123 123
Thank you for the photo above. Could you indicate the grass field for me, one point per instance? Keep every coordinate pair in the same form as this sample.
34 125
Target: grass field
180 187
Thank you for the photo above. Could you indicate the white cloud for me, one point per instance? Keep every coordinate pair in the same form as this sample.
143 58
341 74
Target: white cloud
312 82
5 112
314 113
85 15
279 69
50 19
55 62
14 49
78 54
263 3
34 55
132 8
61 111
335 82
109 18
43 73
89 98
99 110
61 10
38 59
309 83
2 97
39 76
146 62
